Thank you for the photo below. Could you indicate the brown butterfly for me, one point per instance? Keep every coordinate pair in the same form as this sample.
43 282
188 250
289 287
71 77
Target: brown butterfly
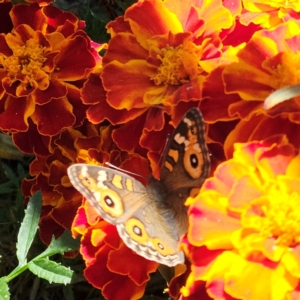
150 220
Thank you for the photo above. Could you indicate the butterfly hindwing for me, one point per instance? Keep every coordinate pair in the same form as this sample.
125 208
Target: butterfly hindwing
145 233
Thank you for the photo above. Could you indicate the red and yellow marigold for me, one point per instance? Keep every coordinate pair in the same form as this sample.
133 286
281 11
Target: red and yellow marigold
163 58
236 92
244 236
269 13
42 63
89 143
104 251
154 67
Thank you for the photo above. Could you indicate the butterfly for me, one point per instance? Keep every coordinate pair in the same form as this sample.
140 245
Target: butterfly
150 220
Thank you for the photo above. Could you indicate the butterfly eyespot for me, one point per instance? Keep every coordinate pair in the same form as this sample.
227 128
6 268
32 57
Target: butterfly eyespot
160 246
109 202
194 160
136 229
85 180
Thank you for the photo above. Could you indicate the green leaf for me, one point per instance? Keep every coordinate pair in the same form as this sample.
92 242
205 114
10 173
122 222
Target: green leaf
29 227
68 292
65 243
100 14
10 174
21 171
123 5
6 187
4 292
50 270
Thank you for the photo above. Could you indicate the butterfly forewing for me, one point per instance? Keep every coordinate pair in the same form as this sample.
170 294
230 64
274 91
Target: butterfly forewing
186 162
113 194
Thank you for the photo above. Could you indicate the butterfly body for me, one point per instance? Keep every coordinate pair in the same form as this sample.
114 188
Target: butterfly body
150 220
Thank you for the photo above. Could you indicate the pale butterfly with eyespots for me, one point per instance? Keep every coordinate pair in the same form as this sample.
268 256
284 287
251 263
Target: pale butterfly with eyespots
150 220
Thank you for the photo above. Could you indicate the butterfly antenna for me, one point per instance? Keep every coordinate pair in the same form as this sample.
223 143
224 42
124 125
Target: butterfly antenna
122 170
163 154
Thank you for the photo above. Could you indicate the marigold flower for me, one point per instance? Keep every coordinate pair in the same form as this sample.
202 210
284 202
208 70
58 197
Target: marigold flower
40 72
269 13
165 53
245 223
60 199
267 62
161 59
104 251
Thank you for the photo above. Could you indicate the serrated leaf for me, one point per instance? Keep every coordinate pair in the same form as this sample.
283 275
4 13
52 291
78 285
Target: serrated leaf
65 243
29 227
4 291
50 270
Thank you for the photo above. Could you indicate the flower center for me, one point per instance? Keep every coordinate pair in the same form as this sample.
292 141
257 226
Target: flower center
25 63
282 219
287 72
177 64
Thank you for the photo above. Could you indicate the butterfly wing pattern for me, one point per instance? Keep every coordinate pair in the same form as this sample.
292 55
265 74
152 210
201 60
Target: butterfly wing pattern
148 218
185 166
123 201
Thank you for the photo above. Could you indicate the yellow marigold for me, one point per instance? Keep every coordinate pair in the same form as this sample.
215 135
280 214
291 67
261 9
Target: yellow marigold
244 233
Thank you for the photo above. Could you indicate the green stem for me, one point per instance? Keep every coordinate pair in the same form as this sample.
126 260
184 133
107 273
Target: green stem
16 272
